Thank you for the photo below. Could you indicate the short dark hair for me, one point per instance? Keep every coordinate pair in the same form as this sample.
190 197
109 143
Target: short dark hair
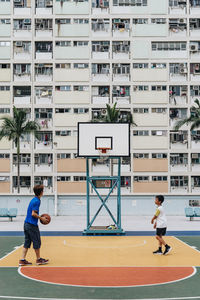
38 189
160 198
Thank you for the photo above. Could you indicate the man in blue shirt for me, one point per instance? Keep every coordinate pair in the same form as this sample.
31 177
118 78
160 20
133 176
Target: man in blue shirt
31 229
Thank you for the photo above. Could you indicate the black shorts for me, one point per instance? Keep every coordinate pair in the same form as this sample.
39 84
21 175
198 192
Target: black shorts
161 231
32 235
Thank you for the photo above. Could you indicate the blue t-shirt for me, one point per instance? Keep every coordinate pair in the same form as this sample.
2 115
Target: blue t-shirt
33 205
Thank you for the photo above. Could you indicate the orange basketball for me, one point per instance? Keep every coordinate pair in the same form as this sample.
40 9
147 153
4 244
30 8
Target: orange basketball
48 218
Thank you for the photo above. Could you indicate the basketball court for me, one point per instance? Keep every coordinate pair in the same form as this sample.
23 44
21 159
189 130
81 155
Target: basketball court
102 267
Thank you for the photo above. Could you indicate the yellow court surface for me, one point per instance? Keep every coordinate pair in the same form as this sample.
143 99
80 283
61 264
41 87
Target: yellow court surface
105 251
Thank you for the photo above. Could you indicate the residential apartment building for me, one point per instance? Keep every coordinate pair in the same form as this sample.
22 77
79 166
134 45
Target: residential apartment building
64 60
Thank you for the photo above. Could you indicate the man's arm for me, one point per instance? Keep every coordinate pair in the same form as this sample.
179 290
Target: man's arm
35 215
155 216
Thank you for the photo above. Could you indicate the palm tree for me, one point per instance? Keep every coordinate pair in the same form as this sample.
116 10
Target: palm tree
194 118
13 128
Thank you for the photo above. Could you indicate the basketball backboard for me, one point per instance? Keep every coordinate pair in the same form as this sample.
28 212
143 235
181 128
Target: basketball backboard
112 136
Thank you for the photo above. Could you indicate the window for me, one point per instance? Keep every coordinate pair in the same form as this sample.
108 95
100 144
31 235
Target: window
81 88
158 21
141 110
129 2
81 21
24 159
80 44
159 178
79 178
158 66
4 88
140 155
4 110
81 110
140 132
63 43
159 110
140 21
81 66
63 66
4 66
140 66
140 88
63 21
62 110
4 155
63 178
159 155
62 88
168 46
4 21
159 132
63 133
4 44
141 178
63 155
159 88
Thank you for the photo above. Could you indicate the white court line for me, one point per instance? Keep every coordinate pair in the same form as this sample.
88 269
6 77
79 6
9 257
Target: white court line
15 249
33 298
84 286
194 248
104 247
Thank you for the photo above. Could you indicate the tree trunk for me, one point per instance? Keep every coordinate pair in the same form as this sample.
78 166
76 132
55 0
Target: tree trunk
18 166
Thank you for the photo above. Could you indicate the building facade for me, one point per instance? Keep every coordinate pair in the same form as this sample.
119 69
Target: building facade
64 60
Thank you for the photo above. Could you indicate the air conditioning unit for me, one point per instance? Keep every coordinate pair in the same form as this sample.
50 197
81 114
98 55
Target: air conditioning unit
49 3
17 1
27 21
7 21
19 44
181 21
103 112
183 71
182 65
194 47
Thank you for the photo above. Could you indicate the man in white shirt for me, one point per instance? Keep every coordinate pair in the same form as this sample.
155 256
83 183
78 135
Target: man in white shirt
160 225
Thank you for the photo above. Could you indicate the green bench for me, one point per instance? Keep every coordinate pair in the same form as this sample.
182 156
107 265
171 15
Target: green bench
192 212
8 213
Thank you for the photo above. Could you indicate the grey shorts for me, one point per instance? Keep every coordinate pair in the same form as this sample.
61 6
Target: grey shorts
32 235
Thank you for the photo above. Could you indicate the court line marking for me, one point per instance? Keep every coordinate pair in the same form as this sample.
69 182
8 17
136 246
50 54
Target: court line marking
193 247
15 249
106 247
133 286
33 298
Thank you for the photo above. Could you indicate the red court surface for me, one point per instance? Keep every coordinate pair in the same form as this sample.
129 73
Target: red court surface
107 276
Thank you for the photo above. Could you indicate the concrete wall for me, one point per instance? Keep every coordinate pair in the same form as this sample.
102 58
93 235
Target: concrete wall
72 30
148 74
71 75
5 29
151 119
71 165
71 187
70 53
150 97
67 119
5 74
150 142
150 165
5 8
65 142
150 30
151 187
71 8
5 52
61 97
5 97
5 165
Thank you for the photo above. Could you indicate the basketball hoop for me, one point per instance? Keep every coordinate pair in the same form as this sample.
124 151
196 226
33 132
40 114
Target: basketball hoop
103 151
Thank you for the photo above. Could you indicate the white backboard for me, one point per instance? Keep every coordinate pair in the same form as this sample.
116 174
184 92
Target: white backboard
115 136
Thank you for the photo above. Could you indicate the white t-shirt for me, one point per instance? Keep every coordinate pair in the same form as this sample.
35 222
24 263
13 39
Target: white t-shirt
161 221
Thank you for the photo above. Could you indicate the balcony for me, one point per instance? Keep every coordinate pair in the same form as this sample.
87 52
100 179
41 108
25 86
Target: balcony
177 27
43 50
178 7
43 72
194 27
100 28
121 28
121 94
25 185
121 50
121 72
22 95
43 116
43 28
22 28
179 140
195 139
178 72
194 7
22 50
22 7
195 72
22 72
101 50
100 95
44 141
43 162
25 144
179 162
43 95
179 184
177 114
100 7
195 162
178 95
100 72
71 7
46 181
25 163
43 7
